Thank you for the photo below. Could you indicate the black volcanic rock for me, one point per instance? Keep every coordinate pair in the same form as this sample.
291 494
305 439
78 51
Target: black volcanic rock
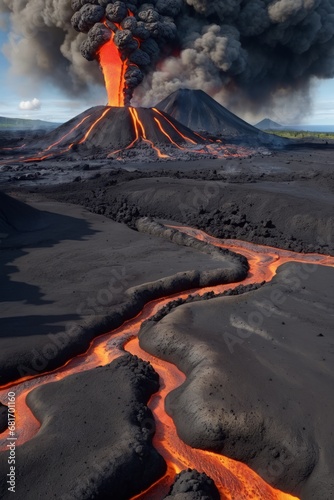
279 423
193 485
16 216
3 418
96 436
198 111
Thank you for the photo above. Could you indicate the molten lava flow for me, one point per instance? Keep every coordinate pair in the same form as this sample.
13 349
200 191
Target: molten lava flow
140 134
233 479
62 138
13 149
113 69
43 156
143 134
174 127
166 134
91 128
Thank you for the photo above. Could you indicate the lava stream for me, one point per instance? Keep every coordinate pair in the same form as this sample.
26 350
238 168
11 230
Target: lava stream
42 156
175 128
233 479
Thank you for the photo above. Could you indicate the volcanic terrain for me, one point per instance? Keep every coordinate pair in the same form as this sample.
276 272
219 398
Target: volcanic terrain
160 317
148 134
198 111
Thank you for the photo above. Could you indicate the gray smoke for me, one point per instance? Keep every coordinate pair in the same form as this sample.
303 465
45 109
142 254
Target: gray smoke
248 54
243 52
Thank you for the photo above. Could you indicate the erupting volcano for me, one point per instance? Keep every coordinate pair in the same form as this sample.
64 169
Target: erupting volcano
148 134
125 40
152 360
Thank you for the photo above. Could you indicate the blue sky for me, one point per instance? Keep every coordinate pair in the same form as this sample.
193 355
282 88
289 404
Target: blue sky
58 107
54 105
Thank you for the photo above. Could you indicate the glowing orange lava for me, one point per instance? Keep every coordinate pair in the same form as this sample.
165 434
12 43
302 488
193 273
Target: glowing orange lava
140 135
62 138
43 156
166 134
138 123
113 69
91 128
233 479
174 127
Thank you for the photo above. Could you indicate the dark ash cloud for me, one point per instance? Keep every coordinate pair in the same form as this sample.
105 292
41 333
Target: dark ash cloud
239 51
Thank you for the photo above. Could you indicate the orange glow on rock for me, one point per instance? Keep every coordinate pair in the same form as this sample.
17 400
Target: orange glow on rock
233 479
175 128
138 123
166 134
113 69
91 128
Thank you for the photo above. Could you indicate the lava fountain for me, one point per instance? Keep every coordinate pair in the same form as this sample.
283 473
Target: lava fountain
113 69
233 479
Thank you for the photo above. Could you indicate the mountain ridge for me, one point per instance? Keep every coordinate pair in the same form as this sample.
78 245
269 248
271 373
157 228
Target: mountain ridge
25 123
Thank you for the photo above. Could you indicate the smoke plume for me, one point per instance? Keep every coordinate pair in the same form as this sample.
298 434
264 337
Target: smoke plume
239 51
139 31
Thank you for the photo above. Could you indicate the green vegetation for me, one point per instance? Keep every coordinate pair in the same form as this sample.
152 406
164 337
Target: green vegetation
20 123
301 134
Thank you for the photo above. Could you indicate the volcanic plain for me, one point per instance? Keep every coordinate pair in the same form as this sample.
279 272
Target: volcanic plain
221 266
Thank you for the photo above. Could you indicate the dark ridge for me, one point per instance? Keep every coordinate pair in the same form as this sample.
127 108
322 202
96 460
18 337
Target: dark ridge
231 269
239 290
16 216
193 485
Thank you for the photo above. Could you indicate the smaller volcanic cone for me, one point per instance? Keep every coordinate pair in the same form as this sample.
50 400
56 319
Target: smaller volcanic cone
197 110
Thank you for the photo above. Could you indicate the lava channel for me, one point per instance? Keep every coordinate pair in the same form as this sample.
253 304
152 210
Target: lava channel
233 479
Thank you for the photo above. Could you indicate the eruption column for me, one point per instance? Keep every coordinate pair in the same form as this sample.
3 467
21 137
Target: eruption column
113 69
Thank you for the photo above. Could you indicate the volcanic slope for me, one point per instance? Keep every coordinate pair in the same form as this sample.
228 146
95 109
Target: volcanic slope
198 111
112 128
16 217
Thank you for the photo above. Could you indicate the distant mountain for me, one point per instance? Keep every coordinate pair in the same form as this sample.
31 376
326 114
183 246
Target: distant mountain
198 111
268 124
23 124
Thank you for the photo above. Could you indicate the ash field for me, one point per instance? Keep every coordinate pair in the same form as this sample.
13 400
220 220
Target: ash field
167 307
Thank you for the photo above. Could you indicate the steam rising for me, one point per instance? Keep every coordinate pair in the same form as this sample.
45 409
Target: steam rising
247 51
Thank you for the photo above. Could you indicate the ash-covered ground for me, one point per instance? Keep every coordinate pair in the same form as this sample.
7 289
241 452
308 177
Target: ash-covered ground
83 229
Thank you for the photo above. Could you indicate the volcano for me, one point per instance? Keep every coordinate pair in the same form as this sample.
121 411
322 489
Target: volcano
112 129
200 112
141 134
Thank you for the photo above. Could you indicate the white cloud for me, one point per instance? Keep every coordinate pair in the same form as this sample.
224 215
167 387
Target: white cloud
33 105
